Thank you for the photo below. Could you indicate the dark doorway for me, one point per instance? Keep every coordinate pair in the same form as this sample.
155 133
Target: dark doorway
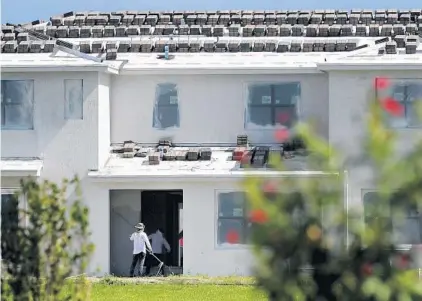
160 209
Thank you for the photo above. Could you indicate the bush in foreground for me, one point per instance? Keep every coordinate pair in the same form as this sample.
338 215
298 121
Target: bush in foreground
299 223
45 243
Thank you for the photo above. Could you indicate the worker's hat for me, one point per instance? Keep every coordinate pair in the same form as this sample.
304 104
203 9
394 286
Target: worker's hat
140 226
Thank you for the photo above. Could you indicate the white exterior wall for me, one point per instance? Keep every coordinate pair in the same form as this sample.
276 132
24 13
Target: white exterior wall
211 110
201 255
211 106
67 147
349 93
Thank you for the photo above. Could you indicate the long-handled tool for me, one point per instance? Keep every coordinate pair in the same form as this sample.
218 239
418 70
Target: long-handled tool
161 266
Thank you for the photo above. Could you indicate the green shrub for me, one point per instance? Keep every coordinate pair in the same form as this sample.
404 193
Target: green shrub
45 243
301 223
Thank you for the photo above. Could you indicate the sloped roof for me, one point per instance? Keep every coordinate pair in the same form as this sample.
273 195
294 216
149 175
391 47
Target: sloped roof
220 31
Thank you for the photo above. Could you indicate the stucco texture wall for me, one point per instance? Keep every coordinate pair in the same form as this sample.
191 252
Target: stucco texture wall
349 94
201 254
211 107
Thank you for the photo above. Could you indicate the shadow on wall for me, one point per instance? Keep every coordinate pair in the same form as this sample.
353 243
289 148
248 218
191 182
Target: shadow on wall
125 209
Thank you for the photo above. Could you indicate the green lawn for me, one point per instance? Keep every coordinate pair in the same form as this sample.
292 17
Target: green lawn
182 288
175 292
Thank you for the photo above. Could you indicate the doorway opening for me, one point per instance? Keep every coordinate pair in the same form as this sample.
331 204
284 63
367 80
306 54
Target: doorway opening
164 209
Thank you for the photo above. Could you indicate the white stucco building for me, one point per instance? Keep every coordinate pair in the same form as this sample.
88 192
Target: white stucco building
64 114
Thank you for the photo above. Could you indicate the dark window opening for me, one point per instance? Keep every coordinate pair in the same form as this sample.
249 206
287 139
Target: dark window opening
273 104
166 107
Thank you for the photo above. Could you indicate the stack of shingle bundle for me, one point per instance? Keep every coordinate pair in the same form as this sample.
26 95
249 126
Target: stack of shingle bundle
248 30
387 30
195 30
192 154
319 46
400 40
234 30
154 159
391 47
245 46
298 30
283 47
334 30
23 47
233 46
135 46
399 29
374 30
307 46
260 30
330 46
295 46
258 46
312 30
273 30
360 30
97 47
218 31
323 30
181 155
346 30
270 46
195 46
123 46
145 45
221 46
85 47
341 45
209 46
285 30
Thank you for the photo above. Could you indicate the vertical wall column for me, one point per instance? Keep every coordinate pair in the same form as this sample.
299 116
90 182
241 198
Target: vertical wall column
104 118
97 198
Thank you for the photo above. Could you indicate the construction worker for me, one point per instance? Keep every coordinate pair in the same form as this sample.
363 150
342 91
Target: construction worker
141 245
158 241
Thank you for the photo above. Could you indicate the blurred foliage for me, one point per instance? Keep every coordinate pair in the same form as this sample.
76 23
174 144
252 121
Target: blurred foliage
308 246
45 243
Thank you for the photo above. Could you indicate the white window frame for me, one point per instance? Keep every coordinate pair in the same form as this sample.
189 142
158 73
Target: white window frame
67 114
247 85
390 119
17 127
363 192
156 106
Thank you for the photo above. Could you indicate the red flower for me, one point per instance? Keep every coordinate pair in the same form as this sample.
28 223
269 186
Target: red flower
283 117
281 135
232 237
403 262
392 106
269 187
367 269
382 83
258 216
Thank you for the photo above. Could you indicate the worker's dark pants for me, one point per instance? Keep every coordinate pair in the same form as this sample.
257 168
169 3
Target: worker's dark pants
152 262
137 259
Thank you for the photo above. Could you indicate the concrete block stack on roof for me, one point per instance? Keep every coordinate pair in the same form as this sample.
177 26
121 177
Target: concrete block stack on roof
218 31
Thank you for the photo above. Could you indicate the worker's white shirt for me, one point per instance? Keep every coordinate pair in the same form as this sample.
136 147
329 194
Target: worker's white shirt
157 242
140 241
